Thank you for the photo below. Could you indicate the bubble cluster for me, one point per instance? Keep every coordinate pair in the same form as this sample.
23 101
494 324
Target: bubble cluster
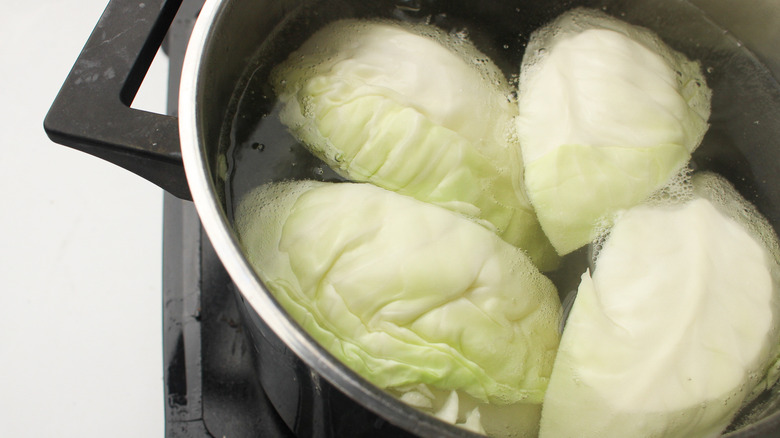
679 189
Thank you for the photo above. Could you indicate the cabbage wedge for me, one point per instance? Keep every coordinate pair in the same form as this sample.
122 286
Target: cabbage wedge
608 114
418 300
676 327
417 111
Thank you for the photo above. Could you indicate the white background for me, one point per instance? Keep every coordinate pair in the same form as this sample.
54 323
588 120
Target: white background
80 251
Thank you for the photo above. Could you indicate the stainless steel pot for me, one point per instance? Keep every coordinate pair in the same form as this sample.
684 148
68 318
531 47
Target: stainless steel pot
737 43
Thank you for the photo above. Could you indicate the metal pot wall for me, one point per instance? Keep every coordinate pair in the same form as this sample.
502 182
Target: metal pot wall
316 395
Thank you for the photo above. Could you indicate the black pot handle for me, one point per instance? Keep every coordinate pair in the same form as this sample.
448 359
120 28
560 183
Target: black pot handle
92 111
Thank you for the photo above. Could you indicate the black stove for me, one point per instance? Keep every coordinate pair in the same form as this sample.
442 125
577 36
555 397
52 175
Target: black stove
211 386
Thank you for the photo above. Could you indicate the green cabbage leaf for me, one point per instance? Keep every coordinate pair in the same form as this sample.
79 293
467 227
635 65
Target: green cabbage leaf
404 292
417 111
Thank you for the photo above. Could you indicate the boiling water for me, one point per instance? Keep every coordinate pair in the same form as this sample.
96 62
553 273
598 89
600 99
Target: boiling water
740 145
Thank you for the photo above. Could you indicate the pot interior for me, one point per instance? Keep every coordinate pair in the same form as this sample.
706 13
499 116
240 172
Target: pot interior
245 145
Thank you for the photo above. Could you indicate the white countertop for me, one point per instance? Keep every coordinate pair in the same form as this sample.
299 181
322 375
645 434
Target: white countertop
80 251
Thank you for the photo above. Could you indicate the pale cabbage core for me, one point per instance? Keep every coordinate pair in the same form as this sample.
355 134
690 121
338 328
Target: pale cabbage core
676 325
703 288
607 115
603 89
